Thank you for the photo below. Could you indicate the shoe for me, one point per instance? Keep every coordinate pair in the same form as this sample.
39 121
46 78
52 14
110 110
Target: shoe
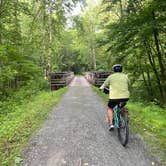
111 127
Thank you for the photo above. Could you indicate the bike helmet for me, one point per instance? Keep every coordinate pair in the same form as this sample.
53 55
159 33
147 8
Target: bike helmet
117 68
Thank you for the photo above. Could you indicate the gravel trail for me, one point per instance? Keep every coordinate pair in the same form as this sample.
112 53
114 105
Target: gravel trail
76 134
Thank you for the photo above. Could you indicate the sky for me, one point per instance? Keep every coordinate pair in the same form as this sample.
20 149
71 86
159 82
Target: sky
77 10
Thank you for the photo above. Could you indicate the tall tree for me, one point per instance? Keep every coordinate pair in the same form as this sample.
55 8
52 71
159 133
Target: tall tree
139 30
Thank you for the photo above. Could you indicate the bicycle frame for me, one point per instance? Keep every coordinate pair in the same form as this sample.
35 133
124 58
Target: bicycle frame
116 119
117 109
121 123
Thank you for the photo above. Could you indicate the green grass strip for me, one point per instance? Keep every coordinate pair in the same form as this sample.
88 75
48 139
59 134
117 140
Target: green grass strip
150 122
18 126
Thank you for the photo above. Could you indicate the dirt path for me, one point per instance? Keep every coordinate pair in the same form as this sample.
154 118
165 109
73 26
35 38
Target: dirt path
76 134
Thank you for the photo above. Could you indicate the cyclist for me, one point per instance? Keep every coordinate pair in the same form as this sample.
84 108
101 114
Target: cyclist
118 83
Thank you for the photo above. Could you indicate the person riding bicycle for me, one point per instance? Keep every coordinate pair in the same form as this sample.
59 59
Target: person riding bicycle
118 83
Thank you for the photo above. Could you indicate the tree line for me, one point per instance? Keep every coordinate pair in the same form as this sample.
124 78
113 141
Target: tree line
31 40
34 40
130 32
137 37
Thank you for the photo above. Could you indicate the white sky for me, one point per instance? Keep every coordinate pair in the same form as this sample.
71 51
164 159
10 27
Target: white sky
77 10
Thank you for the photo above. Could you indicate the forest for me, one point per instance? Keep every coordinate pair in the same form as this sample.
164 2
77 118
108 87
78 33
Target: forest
38 37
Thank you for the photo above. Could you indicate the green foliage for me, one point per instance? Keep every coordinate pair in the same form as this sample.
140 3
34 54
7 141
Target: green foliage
25 45
151 121
86 26
21 95
135 38
17 126
33 36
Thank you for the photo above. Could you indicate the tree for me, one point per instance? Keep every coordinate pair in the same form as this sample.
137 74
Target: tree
30 37
139 31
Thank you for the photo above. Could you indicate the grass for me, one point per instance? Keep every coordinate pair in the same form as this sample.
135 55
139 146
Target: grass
17 127
149 121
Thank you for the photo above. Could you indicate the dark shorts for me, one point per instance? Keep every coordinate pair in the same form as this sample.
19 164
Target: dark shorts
113 102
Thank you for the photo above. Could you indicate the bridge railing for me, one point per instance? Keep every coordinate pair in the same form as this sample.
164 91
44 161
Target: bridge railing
60 79
97 78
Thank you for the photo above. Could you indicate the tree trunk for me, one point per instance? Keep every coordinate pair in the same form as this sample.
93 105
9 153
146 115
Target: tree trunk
159 56
16 22
1 2
44 43
153 65
0 33
121 8
146 84
92 44
147 81
50 38
16 38
94 57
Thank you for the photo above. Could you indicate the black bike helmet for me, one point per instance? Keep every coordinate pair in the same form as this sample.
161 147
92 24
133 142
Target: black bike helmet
117 68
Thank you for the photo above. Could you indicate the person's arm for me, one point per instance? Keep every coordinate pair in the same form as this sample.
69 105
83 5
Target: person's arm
106 83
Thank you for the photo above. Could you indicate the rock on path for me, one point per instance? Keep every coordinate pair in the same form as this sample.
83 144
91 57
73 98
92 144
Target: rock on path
76 134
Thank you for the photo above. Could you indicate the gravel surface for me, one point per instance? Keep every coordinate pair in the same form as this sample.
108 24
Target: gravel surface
76 134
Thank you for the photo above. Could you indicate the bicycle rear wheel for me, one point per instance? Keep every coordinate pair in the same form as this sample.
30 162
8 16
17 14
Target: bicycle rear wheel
123 130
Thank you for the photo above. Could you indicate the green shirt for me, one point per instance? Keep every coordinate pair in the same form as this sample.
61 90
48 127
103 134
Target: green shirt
118 84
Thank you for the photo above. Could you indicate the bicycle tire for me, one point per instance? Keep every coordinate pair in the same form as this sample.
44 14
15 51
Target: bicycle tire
123 130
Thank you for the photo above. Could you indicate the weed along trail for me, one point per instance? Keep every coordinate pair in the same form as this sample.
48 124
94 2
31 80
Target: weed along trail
76 134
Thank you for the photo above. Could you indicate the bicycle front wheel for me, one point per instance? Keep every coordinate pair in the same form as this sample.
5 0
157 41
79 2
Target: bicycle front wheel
123 130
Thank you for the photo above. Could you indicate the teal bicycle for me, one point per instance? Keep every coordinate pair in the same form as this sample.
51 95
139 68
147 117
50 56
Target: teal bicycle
120 121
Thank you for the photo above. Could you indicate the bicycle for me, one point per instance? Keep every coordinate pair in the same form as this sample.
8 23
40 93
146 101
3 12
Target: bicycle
120 121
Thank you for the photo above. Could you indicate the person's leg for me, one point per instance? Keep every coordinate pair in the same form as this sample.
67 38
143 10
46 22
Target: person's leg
110 118
110 115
